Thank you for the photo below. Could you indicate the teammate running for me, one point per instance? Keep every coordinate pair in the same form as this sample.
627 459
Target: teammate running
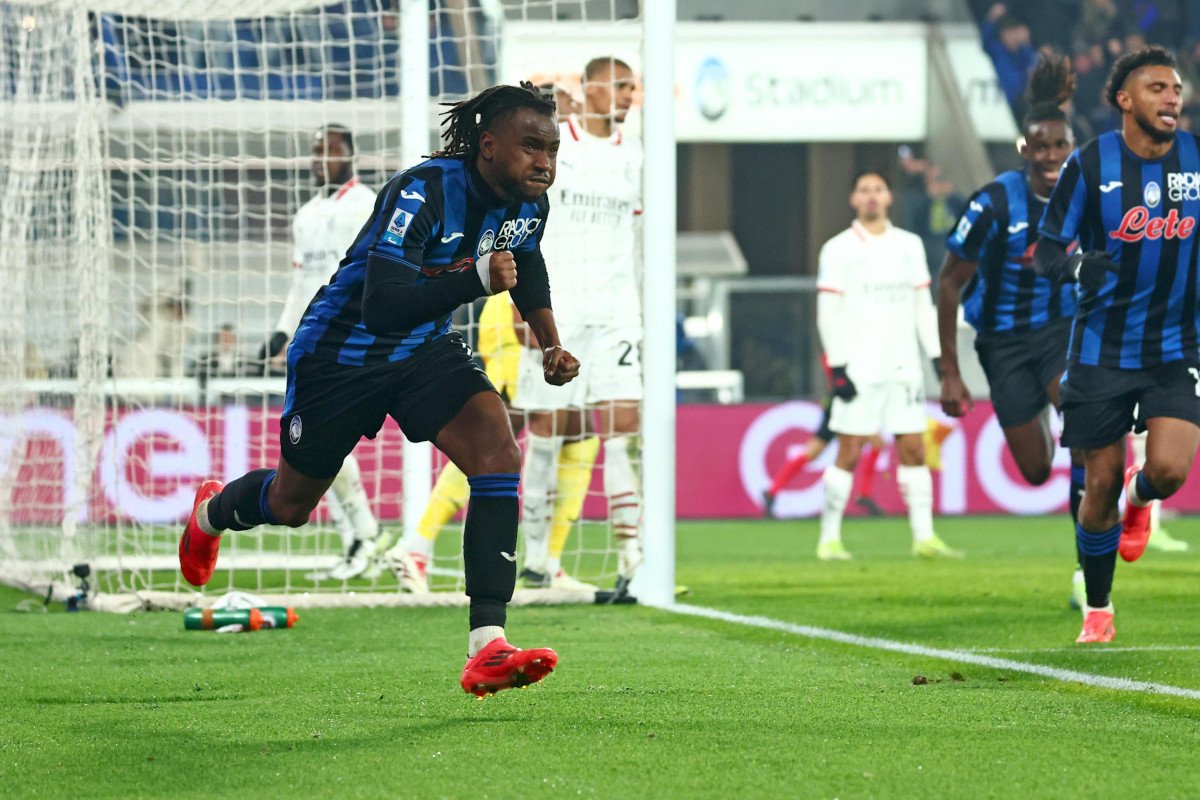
377 342
875 271
1022 321
1131 198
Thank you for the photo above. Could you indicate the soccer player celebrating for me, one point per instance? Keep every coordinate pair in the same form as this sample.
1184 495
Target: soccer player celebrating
592 255
1022 321
322 230
875 271
1131 198
377 342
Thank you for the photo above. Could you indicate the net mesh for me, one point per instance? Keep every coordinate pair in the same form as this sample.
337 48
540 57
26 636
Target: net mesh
153 158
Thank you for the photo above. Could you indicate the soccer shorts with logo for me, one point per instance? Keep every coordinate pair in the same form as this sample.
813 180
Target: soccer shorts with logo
894 407
1101 404
1019 368
610 368
330 406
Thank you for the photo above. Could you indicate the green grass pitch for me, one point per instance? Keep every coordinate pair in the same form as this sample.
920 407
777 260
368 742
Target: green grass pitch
645 704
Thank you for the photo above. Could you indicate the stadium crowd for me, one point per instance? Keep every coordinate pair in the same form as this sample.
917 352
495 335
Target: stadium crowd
1094 33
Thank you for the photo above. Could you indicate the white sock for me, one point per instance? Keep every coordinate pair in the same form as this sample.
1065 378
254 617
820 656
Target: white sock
1131 494
537 496
916 486
202 519
415 543
553 565
340 520
622 486
838 484
347 487
1138 442
1155 516
482 637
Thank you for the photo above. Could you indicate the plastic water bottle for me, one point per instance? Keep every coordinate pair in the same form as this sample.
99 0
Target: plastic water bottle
278 616
210 619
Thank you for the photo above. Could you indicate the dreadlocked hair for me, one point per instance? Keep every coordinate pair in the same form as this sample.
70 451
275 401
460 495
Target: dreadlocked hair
466 120
1051 84
1128 63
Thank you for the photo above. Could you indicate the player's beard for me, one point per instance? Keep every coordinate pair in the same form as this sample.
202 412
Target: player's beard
1147 126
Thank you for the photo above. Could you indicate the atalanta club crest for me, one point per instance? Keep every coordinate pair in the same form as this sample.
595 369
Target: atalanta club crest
485 243
1152 194
295 429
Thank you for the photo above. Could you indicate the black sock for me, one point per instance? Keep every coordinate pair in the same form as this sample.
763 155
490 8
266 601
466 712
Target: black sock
242 504
1099 561
1077 482
1145 490
490 546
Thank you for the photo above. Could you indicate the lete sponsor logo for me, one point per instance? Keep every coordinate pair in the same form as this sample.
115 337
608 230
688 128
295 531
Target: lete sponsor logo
1137 224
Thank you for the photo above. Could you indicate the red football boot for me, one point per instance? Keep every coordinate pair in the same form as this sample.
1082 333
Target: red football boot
499 666
1097 627
198 550
1135 530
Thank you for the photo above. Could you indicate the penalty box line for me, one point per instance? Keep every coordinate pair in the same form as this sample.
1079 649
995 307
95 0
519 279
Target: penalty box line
908 648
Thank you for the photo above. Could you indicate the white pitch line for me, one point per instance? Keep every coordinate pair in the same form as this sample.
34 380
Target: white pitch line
1149 648
963 656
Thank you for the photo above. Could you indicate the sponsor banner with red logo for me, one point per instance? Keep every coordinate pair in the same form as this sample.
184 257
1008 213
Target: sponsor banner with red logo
151 460
727 455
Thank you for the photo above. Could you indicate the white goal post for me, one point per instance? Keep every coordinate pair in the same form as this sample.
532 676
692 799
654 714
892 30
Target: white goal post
152 155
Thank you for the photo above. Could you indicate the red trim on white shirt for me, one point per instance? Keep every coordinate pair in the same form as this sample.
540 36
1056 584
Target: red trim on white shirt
865 235
923 285
347 186
577 132
821 288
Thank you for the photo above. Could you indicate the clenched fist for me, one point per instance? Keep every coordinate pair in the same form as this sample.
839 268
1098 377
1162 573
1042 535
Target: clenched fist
497 271
559 366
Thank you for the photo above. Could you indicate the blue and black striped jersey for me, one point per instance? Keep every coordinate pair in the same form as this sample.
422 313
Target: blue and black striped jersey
434 219
998 231
1142 213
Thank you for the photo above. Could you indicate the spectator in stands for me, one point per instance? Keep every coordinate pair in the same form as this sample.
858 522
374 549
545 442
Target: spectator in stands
1096 21
935 211
157 350
930 204
223 360
1007 41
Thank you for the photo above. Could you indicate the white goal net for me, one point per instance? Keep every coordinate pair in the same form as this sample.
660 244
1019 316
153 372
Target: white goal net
152 158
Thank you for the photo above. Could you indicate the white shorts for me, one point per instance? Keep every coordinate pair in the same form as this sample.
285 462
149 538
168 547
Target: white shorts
895 408
610 368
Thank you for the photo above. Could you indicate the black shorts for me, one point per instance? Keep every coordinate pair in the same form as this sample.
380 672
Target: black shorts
330 406
1019 367
1099 403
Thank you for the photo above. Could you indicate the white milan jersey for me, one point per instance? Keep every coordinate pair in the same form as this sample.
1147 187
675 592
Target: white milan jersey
590 242
884 313
322 230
